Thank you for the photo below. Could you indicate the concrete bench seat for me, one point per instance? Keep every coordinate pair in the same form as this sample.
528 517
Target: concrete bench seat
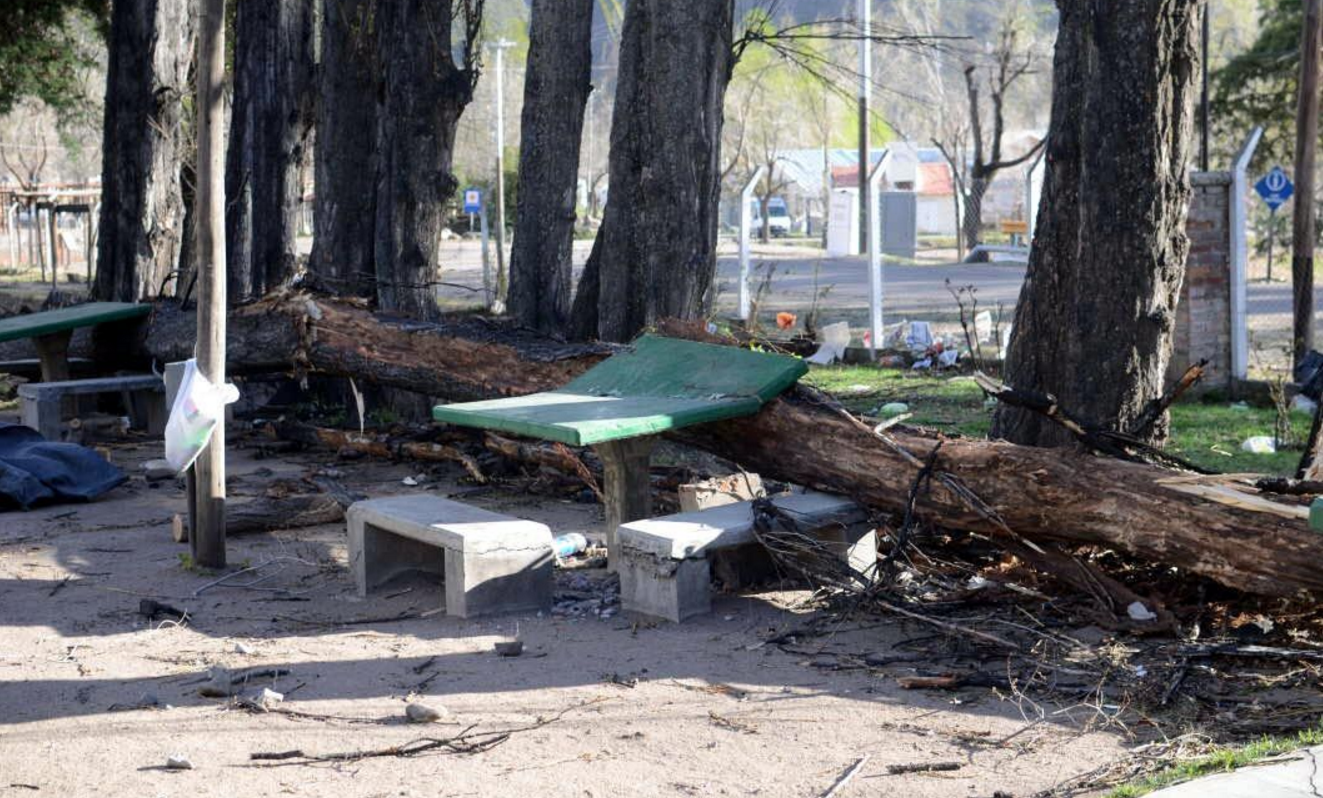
42 402
489 563
665 573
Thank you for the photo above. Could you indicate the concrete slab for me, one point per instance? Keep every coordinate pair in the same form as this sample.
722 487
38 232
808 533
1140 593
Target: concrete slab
694 534
1297 777
490 563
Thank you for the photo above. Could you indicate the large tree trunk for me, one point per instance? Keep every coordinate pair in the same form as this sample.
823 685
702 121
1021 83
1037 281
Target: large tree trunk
424 94
345 211
1043 496
556 88
1094 322
971 226
659 235
151 47
269 126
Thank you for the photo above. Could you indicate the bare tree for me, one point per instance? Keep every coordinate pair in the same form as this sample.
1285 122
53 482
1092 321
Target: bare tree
974 174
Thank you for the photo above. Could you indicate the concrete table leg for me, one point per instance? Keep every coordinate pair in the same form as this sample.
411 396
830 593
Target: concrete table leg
53 350
626 490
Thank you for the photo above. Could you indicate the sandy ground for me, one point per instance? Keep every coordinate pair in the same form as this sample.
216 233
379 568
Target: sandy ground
713 710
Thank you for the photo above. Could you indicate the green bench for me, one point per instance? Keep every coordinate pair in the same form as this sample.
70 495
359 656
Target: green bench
50 330
620 405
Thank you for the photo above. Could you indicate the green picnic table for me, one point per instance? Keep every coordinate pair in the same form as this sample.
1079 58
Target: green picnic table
620 405
50 330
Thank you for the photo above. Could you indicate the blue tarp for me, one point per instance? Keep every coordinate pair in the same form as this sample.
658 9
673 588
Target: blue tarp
36 471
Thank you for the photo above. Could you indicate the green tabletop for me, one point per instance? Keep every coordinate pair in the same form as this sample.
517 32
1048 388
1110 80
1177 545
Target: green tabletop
33 325
660 384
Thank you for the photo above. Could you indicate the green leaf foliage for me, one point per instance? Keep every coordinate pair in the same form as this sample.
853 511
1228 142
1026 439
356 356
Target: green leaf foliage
41 54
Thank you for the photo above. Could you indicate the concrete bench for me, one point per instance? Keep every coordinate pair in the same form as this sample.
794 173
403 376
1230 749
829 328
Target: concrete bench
664 568
489 563
42 401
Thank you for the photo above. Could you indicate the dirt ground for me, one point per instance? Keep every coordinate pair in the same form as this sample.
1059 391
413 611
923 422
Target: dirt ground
94 697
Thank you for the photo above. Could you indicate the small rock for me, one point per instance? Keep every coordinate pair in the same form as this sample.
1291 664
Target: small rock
264 699
156 470
410 481
422 713
178 762
1139 612
148 700
510 648
241 648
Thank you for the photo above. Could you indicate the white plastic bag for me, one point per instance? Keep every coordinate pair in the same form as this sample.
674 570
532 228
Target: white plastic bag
198 406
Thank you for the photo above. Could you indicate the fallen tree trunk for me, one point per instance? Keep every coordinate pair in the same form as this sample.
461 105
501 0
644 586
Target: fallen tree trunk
1031 496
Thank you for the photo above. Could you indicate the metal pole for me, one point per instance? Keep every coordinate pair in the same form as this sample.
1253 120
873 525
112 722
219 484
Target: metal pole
1240 254
875 285
14 246
486 255
1306 137
208 539
1203 93
746 196
501 282
55 250
865 78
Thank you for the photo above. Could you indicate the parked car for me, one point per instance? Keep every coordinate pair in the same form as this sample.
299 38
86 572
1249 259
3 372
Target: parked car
778 217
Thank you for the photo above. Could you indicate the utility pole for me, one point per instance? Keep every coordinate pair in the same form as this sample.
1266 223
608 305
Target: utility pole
502 283
1306 135
208 538
865 78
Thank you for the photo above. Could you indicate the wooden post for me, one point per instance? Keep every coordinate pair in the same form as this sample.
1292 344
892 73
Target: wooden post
625 483
208 538
1306 134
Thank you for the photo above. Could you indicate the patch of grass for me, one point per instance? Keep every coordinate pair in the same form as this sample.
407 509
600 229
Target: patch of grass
952 404
1222 760
1207 434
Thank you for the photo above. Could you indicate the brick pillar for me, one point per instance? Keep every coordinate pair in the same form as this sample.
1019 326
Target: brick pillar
1203 314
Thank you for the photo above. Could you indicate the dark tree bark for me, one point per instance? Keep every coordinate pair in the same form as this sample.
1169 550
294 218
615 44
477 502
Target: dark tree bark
424 93
656 251
1094 322
345 212
269 126
151 46
556 88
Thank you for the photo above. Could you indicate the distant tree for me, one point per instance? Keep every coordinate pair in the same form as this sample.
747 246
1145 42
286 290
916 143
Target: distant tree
1094 322
145 143
41 53
1258 85
974 169
556 89
270 121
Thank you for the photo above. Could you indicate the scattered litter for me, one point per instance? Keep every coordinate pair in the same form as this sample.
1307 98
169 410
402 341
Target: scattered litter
1240 406
178 762
947 358
262 700
509 648
1139 612
1303 404
832 340
1259 444
240 648
569 544
410 481
923 365
422 713
977 582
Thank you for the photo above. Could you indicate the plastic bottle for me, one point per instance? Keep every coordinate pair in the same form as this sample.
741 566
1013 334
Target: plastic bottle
568 545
